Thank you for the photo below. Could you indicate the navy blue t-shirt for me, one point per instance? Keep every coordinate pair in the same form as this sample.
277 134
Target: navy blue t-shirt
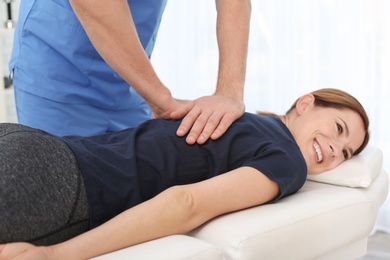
125 168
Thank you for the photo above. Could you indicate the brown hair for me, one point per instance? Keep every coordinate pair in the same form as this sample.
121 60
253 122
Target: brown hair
335 98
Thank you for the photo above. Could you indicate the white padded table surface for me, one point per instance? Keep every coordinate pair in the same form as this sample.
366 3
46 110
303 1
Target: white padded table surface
175 247
319 219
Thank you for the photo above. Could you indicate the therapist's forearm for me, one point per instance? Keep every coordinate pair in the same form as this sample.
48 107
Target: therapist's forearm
232 33
110 27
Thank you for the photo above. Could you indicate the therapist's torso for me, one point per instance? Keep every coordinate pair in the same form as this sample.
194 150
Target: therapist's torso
53 57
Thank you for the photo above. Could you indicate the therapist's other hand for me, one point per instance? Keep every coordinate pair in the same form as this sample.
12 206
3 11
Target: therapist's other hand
165 109
209 117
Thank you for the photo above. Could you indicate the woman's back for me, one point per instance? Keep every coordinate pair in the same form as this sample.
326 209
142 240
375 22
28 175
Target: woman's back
123 169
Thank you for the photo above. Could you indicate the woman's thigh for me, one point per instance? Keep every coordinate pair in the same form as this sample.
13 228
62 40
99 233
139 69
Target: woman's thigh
42 195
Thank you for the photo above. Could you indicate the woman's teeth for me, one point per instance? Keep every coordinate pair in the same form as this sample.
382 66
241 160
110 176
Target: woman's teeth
318 152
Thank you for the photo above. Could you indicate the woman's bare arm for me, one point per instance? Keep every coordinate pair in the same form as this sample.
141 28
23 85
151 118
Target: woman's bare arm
174 211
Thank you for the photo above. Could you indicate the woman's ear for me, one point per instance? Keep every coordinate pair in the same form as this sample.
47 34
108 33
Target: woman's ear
304 102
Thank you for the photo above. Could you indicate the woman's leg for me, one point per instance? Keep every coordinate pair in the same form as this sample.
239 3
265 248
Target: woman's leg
42 195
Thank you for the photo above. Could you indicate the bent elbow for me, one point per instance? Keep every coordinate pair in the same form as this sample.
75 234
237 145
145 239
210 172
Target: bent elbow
183 198
185 207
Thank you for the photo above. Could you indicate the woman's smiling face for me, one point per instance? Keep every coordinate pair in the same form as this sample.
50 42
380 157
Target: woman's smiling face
326 136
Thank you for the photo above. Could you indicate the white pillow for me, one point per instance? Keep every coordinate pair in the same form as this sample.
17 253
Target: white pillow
356 172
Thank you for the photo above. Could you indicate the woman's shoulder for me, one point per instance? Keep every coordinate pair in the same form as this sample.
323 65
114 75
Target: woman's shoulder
263 123
254 117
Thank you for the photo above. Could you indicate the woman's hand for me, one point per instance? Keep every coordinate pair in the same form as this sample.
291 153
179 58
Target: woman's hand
25 251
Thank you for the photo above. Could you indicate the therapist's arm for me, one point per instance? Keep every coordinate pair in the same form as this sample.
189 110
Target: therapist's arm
212 116
174 211
110 27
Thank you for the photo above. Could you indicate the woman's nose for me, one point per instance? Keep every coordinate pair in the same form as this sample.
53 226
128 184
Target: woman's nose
334 149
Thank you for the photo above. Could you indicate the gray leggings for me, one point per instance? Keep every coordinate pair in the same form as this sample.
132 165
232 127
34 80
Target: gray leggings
42 195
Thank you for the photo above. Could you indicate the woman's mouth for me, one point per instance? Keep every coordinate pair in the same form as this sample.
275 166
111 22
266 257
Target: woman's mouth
318 151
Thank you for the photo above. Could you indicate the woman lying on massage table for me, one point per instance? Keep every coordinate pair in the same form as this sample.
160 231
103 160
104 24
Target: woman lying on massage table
145 183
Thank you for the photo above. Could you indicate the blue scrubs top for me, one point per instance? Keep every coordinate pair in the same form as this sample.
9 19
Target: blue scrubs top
123 169
53 58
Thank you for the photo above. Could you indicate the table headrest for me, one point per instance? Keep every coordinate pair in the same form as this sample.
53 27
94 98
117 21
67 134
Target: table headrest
359 171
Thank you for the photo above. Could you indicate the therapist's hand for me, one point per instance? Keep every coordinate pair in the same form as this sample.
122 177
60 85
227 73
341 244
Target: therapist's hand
209 117
169 106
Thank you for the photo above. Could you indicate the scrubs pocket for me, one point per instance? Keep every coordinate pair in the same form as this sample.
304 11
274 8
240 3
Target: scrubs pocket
51 30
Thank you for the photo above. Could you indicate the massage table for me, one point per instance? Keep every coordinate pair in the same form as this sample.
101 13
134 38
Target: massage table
331 218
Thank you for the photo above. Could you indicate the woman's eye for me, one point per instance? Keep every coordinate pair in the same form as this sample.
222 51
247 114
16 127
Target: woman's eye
339 128
345 153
